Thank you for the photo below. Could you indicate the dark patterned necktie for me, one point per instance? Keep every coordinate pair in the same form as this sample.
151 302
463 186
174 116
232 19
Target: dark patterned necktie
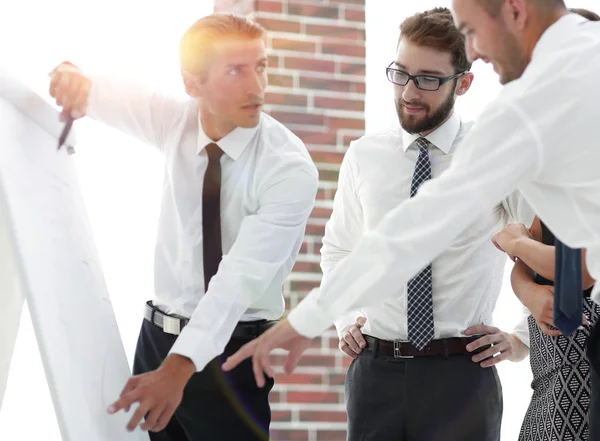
568 288
212 251
420 301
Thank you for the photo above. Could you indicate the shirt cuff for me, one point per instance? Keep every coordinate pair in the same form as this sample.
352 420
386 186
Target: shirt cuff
308 318
187 345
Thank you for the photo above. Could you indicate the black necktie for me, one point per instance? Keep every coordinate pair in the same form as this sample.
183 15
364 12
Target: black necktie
211 214
568 288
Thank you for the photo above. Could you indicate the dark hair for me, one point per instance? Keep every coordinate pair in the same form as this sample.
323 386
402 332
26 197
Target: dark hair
435 29
592 16
199 41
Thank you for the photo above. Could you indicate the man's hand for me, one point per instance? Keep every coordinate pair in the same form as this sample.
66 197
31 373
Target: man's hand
507 239
71 89
158 393
281 336
540 302
504 345
352 342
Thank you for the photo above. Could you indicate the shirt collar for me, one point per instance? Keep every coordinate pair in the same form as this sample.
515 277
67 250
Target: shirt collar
233 144
555 33
443 137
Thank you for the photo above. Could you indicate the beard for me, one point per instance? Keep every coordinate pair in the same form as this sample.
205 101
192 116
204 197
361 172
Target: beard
432 120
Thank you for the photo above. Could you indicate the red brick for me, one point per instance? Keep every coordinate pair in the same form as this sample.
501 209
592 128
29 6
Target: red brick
346 361
304 248
287 44
323 416
275 6
281 416
276 25
323 138
336 379
346 139
321 212
352 69
313 10
316 83
311 64
313 397
355 15
306 267
349 2
273 60
348 32
306 360
346 123
329 175
339 104
315 230
321 194
298 379
359 88
327 157
331 435
286 99
347 49
281 80
312 119
289 435
274 396
303 286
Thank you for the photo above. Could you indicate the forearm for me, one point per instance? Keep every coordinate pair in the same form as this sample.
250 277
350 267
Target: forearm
537 256
522 280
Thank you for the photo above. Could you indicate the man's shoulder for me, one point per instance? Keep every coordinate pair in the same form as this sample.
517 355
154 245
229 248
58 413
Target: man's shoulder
389 138
277 141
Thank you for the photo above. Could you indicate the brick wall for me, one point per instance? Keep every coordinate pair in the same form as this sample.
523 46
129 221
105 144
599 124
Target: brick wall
317 89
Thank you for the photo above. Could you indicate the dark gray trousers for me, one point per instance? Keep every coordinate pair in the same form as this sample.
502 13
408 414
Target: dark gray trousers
422 399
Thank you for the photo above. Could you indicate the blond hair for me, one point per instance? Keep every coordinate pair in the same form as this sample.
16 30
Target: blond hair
199 41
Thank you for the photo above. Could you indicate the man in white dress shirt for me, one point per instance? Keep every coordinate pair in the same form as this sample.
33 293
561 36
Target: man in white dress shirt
537 136
393 387
239 188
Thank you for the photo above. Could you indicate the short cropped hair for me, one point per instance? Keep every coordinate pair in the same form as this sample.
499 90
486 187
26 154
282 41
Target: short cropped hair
435 29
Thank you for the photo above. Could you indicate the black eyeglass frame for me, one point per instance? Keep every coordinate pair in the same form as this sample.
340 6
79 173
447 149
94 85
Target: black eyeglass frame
415 78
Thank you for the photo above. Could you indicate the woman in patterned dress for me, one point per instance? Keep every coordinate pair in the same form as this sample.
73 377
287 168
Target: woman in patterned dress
561 370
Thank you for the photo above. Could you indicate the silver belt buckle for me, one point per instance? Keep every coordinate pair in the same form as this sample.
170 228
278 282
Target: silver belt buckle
171 325
398 352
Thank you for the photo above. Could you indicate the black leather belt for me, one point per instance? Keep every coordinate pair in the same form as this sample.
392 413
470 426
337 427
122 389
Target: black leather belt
401 349
174 324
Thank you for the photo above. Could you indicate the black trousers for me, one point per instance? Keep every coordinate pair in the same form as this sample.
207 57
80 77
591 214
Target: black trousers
216 406
422 399
593 351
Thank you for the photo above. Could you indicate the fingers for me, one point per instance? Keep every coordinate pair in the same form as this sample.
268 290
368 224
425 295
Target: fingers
295 355
499 348
257 368
358 337
152 419
164 419
481 329
346 349
242 354
585 321
137 417
351 342
546 330
494 360
70 88
361 321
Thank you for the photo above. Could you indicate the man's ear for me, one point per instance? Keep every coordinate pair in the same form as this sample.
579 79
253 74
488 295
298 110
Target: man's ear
464 83
194 84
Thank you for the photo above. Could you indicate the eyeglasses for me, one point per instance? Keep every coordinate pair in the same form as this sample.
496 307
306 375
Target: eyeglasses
423 82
